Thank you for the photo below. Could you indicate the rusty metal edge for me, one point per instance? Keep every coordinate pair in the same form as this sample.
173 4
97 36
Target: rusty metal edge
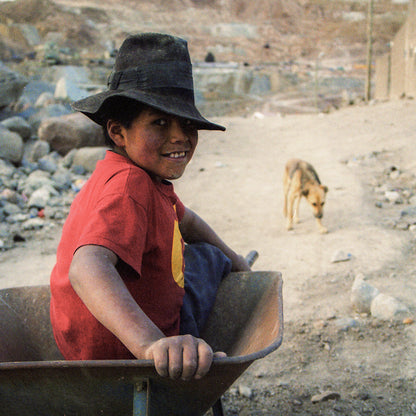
12 365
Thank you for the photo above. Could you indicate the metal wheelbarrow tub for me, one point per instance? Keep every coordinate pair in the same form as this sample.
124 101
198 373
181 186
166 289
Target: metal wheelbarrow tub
246 322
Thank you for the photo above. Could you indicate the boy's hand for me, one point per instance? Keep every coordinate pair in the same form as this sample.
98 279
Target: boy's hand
184 357
239 264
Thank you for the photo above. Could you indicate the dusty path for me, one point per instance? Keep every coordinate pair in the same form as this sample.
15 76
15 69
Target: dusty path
240 192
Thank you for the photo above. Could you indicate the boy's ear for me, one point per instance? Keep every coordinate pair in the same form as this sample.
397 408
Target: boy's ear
115 131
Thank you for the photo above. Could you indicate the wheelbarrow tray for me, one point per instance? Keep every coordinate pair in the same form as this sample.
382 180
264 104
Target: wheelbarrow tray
246 322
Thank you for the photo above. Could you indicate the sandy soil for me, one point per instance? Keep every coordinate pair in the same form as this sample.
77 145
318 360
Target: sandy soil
235 183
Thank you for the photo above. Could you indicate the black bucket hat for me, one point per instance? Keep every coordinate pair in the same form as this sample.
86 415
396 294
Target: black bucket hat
154 69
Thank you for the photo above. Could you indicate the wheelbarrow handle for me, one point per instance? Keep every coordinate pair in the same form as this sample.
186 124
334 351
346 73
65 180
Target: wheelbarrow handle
251 257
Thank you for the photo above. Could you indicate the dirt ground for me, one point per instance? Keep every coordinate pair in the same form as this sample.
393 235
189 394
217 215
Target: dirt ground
235 183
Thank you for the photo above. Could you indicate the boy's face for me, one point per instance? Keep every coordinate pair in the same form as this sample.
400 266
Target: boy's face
160 143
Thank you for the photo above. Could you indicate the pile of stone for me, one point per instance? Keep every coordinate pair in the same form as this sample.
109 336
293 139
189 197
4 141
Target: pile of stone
46 154
367 299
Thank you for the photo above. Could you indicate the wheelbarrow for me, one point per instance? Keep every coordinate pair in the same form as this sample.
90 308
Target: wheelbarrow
246 323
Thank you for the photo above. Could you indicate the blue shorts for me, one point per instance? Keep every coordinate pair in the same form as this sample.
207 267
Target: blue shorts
205 267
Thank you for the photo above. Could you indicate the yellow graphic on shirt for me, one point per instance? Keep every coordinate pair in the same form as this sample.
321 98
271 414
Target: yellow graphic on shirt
177 255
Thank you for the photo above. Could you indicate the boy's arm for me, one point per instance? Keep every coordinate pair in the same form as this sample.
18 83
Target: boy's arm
194 230
94 277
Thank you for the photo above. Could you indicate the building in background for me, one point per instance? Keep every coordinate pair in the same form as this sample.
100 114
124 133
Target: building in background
395 74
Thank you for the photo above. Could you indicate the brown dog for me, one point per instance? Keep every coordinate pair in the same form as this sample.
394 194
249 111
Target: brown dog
300 179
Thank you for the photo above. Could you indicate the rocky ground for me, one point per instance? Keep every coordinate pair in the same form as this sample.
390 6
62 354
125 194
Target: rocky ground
333 360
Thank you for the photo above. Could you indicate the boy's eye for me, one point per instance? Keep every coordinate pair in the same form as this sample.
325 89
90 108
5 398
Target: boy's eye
188 124
161 122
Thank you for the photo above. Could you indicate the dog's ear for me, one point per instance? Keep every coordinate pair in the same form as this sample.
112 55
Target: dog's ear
305 192
324 188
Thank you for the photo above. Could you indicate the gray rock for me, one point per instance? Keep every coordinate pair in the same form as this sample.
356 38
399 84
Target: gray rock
11 86
36 150
339 256
344 324
245 391
17 218
393 197
78 170
9 195
87 157
362 294
62 179
68 159
323 397
45 99
11 145
78 75
40 197
49 162
69 132
33 224
67 90
18 125
35 180
50 111
408 215
388 308
11 209
29 33
6 168
34 89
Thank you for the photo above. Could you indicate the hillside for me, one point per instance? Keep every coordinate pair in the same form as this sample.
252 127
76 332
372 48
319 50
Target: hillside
234 30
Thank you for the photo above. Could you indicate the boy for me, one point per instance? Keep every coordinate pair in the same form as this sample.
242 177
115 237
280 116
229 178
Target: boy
120 288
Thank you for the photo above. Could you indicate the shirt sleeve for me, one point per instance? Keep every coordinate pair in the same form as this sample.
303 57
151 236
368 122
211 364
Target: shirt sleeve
118 223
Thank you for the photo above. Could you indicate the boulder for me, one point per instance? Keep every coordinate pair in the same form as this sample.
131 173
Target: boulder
35 150
11 86
19 125
36 180
35 88
67 90
40 197
49 111
88 157
71 131
362 294
7 169
388 308
11 145
45 99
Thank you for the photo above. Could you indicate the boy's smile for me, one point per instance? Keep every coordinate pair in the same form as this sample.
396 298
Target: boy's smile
160 143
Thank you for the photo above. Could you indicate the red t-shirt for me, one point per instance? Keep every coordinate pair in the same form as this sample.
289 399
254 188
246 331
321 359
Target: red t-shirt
124 210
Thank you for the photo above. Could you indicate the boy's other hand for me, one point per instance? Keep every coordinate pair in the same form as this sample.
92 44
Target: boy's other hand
239 264
184 357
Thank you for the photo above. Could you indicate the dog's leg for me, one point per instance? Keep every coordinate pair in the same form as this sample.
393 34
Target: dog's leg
286 184
322 229
293 196
290 204
296 211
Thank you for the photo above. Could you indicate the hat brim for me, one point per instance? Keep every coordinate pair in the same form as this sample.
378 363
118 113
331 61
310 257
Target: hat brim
91 106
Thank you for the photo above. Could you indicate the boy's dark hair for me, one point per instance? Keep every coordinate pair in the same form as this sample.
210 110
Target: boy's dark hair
121 109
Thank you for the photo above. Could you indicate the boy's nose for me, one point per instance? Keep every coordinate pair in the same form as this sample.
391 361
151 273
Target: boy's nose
177 133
